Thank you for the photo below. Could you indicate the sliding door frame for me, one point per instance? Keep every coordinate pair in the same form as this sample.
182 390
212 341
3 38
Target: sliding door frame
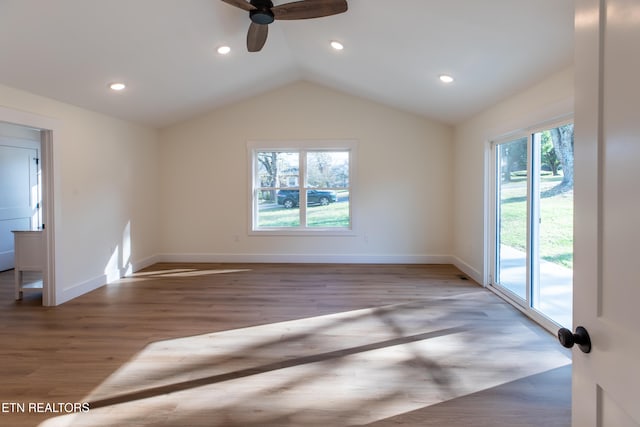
493 235
533 210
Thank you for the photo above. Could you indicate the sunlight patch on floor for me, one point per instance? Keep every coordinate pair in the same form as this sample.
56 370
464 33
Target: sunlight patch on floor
176 273
349 368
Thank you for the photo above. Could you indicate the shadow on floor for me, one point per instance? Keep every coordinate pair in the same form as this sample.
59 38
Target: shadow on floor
538 400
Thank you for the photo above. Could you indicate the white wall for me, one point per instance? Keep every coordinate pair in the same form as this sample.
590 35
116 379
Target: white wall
549 100
404 166
122 197
105 192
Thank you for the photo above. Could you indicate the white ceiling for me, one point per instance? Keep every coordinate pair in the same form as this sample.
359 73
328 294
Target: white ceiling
165 50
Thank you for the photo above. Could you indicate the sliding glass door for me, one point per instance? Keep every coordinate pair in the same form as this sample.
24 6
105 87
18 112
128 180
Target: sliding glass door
512 217
533 221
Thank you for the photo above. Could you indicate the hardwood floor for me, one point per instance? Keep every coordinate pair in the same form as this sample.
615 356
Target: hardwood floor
280 345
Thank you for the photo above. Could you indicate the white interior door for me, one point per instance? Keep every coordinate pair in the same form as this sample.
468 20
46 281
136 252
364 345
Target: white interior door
606 382
19 196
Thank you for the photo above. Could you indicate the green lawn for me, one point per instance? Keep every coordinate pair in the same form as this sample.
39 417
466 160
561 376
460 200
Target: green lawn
333 215
556 220
279 217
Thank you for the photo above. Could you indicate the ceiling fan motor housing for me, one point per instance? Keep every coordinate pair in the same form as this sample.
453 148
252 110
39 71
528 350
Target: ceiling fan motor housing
262 13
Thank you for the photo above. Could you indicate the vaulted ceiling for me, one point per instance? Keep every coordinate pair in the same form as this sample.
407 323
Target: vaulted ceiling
165 51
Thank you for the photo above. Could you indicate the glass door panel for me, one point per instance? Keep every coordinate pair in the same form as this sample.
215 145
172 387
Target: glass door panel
534 222
511 220
553 240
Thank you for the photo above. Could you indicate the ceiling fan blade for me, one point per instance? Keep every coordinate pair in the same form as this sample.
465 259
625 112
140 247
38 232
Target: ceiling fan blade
242 4
256 37
306 9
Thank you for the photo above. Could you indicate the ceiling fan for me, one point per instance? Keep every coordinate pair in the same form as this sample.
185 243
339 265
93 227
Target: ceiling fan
263 13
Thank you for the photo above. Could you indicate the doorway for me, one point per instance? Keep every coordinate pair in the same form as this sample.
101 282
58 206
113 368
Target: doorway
20 186
48 129
532 247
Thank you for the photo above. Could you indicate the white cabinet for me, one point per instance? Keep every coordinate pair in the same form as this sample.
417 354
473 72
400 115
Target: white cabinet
29 256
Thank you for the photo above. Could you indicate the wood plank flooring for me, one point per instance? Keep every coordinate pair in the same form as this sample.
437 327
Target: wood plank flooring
280 345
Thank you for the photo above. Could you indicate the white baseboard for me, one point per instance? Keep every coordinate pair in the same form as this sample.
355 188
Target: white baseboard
82 288
468 270
74 291
78 289
145 262
305 259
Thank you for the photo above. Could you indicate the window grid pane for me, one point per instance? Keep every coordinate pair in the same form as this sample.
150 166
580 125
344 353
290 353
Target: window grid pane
327 184
302 189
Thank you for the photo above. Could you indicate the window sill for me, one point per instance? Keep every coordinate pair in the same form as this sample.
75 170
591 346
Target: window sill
321 232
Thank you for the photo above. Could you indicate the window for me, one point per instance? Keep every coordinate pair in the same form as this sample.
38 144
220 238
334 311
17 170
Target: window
301 187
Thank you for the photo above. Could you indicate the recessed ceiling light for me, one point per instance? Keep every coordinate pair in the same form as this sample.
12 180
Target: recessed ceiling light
337 45
117 86
445 78
223 50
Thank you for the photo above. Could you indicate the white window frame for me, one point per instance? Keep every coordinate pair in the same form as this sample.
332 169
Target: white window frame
253 147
